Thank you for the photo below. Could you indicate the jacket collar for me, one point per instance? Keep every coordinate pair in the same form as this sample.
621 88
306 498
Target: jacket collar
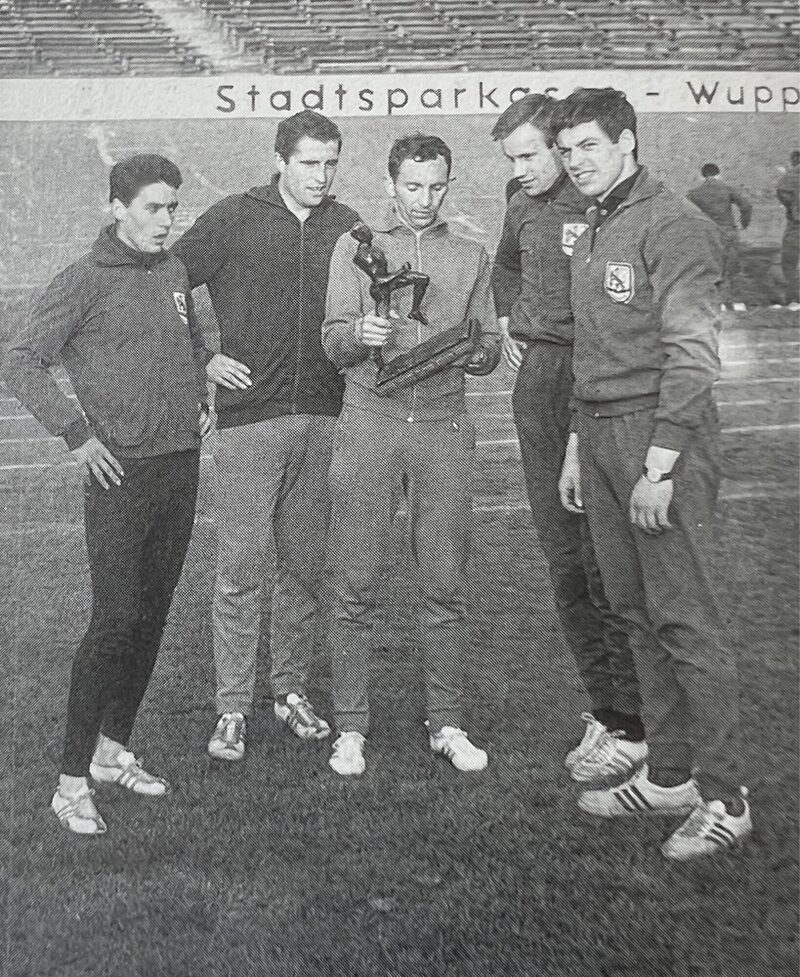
387 220
564 193
644 187
110 252
270 194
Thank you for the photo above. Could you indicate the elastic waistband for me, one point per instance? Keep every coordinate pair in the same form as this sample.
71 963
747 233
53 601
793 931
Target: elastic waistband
615 408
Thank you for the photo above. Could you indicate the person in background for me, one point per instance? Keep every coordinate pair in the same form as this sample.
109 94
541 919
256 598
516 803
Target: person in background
788 192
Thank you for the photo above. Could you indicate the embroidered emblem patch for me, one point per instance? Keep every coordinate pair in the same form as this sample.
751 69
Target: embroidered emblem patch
569 235
180 305
619 281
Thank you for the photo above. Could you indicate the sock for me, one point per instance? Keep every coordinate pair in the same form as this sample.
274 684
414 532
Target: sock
107 750
734 805
630 725
71 786
604 716
669 776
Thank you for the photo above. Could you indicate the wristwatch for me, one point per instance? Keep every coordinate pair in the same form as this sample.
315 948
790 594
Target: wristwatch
655 475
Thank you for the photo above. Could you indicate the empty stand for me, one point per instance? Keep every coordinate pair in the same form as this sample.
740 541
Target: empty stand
106 37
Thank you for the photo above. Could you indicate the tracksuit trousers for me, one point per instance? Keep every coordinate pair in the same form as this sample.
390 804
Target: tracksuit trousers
595 635
137 535
790 261
372 454
662 588
271 494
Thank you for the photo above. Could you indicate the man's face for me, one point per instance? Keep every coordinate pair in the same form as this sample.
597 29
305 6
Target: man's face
593 161
146 221
419 191
537 166
308 173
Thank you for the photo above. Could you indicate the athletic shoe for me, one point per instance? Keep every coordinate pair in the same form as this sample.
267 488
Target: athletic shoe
454 744
78 813
793 306
347 758
739 307
298 714
708 830
639 796
228 739
127 772
612 758
594 728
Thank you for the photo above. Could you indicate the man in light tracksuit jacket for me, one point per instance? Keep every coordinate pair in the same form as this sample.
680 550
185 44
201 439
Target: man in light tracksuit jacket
419 433
644 459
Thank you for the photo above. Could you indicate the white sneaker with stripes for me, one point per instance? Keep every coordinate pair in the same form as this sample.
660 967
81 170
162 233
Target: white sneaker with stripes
611 759
709 830
454 745
592 733
639 796
127 772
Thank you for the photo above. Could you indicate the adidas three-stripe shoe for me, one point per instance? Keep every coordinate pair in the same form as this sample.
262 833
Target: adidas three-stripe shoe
709 830
127 772
610 760
453 744
638 796
592 733
297 712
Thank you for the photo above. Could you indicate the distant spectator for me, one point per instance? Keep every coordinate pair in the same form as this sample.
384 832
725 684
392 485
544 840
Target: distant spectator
788 192
717 200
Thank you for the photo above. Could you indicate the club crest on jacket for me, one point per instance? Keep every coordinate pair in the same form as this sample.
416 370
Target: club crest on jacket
619 281
569 235
180 305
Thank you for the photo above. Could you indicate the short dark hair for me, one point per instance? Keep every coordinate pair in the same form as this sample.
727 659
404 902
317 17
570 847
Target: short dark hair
710 169
419 148
609 108
129 176
308 123
794 159
538 110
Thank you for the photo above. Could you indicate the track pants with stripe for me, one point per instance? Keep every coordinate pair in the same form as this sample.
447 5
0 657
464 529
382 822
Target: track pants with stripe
662 588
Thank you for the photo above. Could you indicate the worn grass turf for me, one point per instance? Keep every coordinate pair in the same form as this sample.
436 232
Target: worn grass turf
277 867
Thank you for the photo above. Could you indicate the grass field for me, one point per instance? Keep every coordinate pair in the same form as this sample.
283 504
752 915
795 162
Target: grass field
277 867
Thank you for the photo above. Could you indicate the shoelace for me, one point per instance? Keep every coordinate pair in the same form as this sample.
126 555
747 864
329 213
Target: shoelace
230 732
303 712
605 747
700 822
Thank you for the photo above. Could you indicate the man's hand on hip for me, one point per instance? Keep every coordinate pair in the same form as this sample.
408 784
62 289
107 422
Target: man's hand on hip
228 372
95 459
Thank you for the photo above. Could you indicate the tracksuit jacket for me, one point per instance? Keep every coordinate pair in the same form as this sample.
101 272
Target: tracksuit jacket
717 200
459 289
123 326
267 274
645 293
531 271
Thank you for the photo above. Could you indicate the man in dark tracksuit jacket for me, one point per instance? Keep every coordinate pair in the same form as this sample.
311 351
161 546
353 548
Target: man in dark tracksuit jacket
264 255
788 192
418 433
644 459
531 281
717 200
121 322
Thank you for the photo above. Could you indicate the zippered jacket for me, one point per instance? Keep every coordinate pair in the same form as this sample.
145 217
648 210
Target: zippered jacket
717 201
646 300
530 277
267 273
459 289
123 326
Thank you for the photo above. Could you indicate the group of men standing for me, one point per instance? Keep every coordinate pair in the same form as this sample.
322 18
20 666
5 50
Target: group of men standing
604 296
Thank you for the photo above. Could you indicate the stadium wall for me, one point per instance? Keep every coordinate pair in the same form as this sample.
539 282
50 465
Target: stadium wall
55 173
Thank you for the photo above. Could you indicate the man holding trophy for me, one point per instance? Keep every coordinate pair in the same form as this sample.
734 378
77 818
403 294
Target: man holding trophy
404 423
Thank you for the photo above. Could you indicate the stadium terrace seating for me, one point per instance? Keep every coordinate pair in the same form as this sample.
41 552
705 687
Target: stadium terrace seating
101 37
98 37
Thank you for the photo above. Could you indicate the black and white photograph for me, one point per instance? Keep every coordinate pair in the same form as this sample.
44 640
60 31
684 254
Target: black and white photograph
399 488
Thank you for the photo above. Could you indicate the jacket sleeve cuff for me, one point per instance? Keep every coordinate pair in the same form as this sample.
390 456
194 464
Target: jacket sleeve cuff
672 436
77 434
